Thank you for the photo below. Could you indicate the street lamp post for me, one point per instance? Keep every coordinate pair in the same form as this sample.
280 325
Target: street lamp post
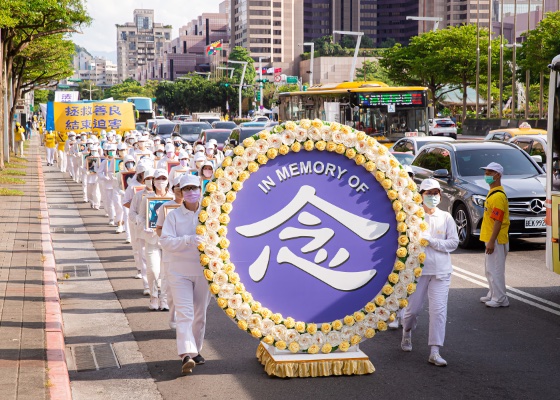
489 94
358 41
312 44
501 58
229 69
514 66
90 90
260 78
244 63
435 20
477 56
527 73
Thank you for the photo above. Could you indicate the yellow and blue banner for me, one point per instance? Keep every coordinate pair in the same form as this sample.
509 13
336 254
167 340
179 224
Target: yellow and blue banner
82 117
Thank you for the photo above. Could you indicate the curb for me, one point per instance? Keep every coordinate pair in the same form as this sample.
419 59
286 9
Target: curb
59 388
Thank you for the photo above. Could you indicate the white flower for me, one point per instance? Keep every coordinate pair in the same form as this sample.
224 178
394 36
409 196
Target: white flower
371 319
412 262
333 338
406 277
413 221
405 195
262 146
383 163
279 332
266 326
231 173
227 291
220 278
240 164
392 303
213 211
350 140
244 312
361 146
371 155
414 234
401 182
338 137
274 141
410 208
305 341
288 137
292 336
224 185
250 154
314 134
305 123
215 264
212 251
254 321
326 133
393 174
346 333
318 339
399 290
212 224
414 249
382 313
212 238
218 198
301 135
235 301
360 328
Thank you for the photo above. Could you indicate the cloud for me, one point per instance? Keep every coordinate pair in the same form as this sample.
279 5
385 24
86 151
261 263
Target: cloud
101 36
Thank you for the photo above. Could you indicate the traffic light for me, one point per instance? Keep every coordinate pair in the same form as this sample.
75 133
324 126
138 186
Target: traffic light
225 84
262 80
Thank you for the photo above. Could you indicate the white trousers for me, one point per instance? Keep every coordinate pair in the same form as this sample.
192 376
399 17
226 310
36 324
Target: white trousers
93 194
126 223
50 155
495 268
165 286
117 206
19 148
62 160
437 291
70 166
191 297
103 195
109 204
153 270
140 257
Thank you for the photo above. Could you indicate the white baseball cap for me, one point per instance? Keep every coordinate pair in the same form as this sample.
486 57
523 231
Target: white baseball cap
149 173
189 180
129 158
169 148
494 166
429 184
161 172
199 157
177 180
183 154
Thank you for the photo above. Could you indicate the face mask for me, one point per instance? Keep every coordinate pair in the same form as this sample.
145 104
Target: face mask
177 144
160 184
210 152
129 165
159 154
191 196
198 164
184 163
110 153
489 179
170 154
207 173
431 200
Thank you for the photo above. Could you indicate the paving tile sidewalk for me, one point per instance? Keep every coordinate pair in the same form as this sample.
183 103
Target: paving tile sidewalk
23 355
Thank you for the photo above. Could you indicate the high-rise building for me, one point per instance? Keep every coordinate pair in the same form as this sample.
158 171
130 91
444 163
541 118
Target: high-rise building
100 71
138 42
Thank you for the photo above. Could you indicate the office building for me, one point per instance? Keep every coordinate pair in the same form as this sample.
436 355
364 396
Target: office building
100 71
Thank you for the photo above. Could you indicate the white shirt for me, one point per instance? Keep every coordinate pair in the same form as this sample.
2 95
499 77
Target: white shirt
443 238
178 226
161 221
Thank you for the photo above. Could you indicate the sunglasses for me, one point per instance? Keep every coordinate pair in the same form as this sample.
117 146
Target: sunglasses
190 188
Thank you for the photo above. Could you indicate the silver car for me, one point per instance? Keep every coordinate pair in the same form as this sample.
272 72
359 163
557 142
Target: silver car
456 165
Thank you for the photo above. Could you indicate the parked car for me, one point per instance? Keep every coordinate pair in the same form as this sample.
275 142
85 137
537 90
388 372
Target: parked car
210 120
224 125
506 134
219 135
182 117
456 165
534 145
140 126
190 131
260 124
404 158
442 127
414 143
163 128
241 133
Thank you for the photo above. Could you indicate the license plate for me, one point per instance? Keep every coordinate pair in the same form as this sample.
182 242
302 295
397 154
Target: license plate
538 222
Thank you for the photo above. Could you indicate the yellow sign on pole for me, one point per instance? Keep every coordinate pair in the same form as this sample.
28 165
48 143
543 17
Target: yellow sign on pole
73 117
116 116
81 117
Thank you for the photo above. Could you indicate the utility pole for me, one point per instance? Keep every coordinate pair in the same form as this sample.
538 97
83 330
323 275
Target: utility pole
312 44
244 63
261 80
358 41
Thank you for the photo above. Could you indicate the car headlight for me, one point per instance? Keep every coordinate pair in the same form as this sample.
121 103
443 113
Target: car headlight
478 200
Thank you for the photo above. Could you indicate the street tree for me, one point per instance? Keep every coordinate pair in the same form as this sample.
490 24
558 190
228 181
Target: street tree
372 71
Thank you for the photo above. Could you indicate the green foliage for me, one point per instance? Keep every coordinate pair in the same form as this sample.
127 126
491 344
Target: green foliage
372 71
288 88
84 87
540 47
242 54
13 172
41 96
11 181
388 43
128 88
10 192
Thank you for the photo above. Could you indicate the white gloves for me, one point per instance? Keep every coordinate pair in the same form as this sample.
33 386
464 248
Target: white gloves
193 240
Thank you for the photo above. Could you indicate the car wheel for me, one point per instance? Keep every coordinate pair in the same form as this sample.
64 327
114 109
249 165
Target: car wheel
430 133
463 222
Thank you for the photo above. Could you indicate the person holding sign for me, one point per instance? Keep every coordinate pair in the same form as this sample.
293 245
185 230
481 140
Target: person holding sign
61 138
169 156
50 145
107 176
91 178
206 173
128 165
183 166
441 239
188 285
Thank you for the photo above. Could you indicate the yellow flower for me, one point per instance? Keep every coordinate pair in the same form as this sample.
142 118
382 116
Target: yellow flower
403 173
380 300
253 167
321 145
248 142
403 240
417 198
290 125
370 307
294 347
308 145
277 318
354 340
403 303
360 159
392 194
393 162
422 257
317 123
370 141
227 207
206 201
214 288
340 148
262 159
265 312
300 326
326 349
393 278
200 230
296 147
401 252
264 134
312 329
313 349
418 272
289 322
397 205
387 184
272 153
239 288
280 345
224 255
350 153
247 297
305 123
344 346
331 146
359 316
411 185
255 306
382 150
219 173
401 216
379 176
230 312
229 268
370 332
401 227
211 187
399 265
337 325
203 216
423 226
223 218
226 163
411 288
222 303
420 213
349 320
204 259
424 242
243 176
256 333
231 196
326 328
268 339
201 247
209 275
382 326
387 290
222 231
345 129
284 149
370 166
360 135
242 325
238 151
234 277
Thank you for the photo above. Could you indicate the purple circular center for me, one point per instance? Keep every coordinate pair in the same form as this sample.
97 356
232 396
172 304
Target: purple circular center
313 236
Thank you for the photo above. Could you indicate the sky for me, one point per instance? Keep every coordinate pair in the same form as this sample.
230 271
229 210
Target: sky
100 39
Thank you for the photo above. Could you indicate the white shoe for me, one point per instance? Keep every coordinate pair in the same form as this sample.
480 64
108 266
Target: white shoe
154 304
86 201
436 359
106 214
173 325
120 229
495 304
163 306
128 240
484 299
406 343
146 292
112 222
394 324
138 276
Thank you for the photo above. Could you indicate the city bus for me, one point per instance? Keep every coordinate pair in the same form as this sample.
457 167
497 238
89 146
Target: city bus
143 108
374 107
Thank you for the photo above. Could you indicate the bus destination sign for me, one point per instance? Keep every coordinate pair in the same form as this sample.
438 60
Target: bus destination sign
401 99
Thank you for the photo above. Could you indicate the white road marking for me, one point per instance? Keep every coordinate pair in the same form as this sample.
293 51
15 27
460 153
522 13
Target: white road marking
481 281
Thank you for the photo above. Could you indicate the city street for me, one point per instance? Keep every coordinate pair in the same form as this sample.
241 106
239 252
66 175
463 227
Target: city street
506 353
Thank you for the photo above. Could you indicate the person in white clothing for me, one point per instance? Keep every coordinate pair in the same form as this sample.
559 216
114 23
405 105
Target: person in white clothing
121 212
92 181
106 177
68 151
442 239
183 166
169 156
189 288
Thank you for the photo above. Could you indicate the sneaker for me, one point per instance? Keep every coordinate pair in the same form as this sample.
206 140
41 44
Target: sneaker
484 299
436 359
120 229
495 304
111 222
172 325
146 292
406 343
154 304
199 360
394 324
128 240
138 276
188 365
163 306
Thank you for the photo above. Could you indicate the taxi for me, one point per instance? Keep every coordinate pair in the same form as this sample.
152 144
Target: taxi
506 134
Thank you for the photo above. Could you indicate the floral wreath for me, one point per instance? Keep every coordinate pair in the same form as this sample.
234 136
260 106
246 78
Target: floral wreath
231 295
